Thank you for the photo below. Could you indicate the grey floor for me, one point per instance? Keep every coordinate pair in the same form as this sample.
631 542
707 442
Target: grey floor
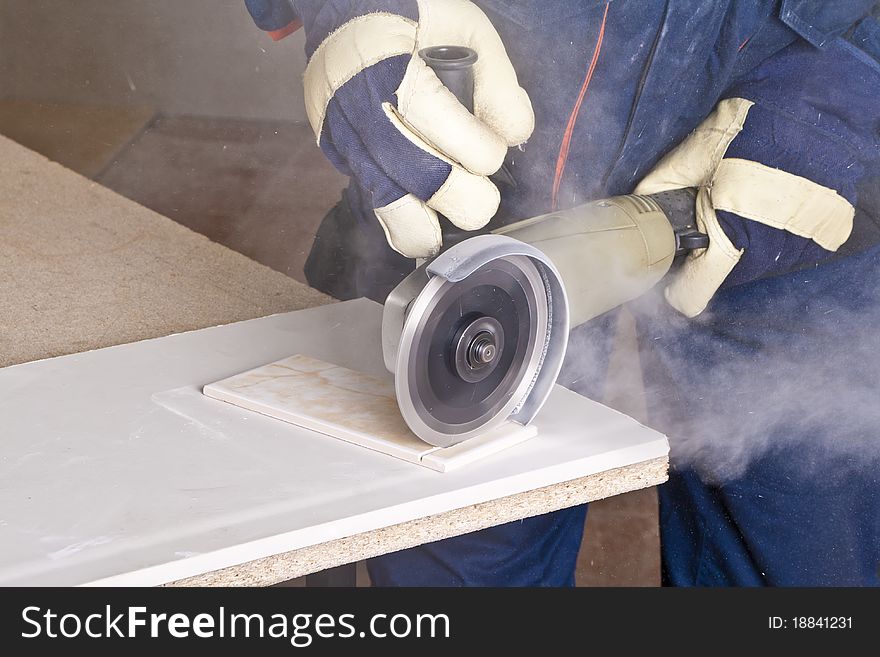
261 188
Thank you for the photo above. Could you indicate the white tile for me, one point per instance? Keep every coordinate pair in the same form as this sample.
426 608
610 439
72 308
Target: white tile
352 406
330 399
472 450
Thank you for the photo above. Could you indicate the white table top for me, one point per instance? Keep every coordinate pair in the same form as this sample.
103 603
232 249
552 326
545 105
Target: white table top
115 469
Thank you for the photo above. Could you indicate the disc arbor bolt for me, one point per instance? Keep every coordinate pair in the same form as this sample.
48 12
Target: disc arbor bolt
477 347
482 350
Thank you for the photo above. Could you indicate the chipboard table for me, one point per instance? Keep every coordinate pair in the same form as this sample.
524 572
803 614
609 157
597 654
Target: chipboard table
115 469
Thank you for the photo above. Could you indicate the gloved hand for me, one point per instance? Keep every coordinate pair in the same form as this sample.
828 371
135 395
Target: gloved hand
382 116
787 220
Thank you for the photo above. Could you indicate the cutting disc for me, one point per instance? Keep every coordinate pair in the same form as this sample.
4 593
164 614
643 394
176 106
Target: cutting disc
471 349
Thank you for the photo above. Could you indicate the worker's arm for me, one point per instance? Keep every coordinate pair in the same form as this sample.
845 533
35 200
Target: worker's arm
382 117
788 168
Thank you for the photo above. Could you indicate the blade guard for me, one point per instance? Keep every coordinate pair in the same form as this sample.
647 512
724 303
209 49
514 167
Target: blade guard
457 263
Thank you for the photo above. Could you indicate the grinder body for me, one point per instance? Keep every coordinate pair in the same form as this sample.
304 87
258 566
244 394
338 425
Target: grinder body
476 337
607 252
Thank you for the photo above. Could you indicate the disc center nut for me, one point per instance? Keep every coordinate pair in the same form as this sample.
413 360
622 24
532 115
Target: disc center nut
477 349
482 351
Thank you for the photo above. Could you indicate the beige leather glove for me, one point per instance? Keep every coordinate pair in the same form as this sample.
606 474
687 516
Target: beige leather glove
748 189
360 101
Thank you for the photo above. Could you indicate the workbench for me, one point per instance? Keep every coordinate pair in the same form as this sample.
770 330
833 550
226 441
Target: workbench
115 470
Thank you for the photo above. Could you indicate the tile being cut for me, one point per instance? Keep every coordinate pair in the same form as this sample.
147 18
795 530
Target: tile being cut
352 406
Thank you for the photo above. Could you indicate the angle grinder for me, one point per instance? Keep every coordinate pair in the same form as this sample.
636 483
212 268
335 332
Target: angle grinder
476 336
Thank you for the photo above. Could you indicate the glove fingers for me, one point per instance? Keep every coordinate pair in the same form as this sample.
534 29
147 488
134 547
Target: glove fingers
411 228
433 112
499 102
468 200
416 169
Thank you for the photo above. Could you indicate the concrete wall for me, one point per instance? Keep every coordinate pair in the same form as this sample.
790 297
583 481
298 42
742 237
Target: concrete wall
201 57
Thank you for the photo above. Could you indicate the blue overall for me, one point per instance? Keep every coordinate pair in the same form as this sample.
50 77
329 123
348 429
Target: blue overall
766 397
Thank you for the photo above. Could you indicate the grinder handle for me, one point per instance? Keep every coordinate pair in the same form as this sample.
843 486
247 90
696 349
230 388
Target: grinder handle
454 66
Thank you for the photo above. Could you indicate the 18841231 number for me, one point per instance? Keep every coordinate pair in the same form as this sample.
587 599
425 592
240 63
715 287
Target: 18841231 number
811 623
822 622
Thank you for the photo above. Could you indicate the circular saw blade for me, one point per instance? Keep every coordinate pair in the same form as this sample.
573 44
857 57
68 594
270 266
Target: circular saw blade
471 349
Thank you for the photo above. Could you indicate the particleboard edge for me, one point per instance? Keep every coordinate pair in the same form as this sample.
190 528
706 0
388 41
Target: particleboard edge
296 563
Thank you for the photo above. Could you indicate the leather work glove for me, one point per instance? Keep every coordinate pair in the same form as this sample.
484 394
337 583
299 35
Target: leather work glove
382 116
761 220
